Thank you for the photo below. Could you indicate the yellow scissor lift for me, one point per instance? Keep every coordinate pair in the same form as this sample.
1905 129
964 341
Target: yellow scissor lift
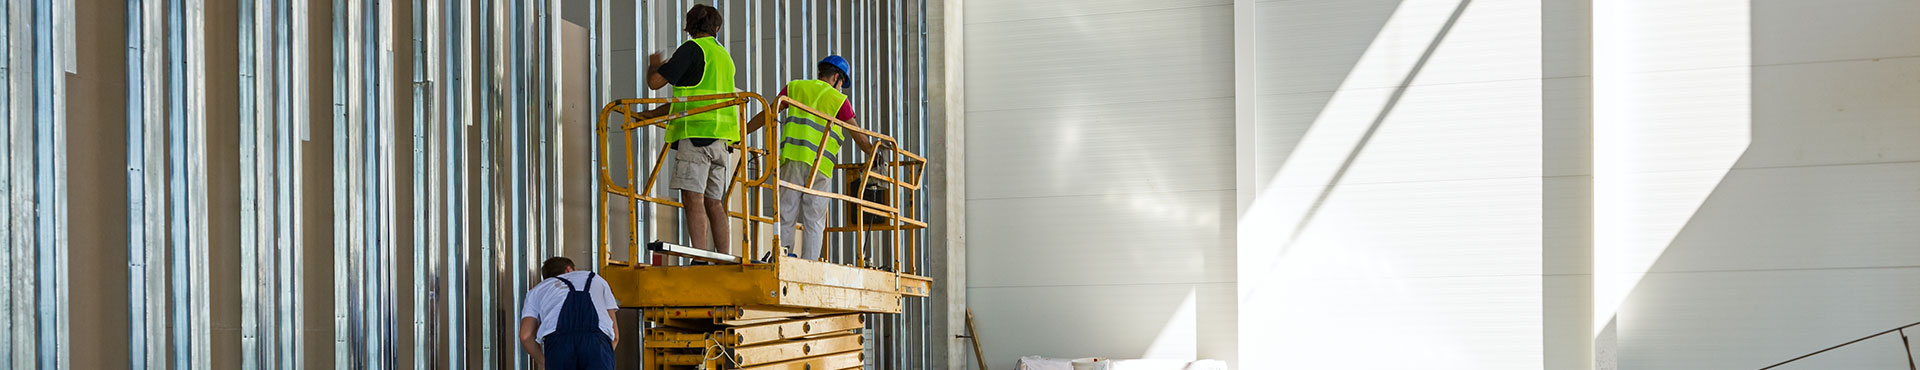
774 312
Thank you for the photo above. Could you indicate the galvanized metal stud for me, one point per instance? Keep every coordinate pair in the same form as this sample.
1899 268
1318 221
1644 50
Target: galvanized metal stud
8 110
342 70
489 241
250 105
424 219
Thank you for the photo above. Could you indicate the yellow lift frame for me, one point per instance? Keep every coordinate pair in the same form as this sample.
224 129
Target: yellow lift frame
771 313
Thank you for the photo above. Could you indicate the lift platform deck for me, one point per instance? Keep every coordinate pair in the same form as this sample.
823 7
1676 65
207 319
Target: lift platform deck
788 283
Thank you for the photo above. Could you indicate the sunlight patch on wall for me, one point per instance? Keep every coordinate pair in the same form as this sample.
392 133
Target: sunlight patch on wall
1672 108
1179 338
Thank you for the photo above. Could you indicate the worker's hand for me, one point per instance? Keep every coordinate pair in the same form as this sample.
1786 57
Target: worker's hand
656 59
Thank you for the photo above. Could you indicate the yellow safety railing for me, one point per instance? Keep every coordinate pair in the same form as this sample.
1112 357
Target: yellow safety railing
897 172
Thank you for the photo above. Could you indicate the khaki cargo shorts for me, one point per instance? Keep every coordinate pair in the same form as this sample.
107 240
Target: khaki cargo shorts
705 169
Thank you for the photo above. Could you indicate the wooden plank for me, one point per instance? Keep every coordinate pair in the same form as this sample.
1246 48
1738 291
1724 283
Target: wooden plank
796 349
834 361
757 334
917 286
806 271
753 313
791 287
974 335
810 295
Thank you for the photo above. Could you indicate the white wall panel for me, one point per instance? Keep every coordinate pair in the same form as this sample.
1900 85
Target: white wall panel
1479 323
1171 146
1735 177
1567 324
1803 217
1861 111
989 11
1408 218
1432 133
1566 40
1285 122
1146 238
1311 46
1567 232
1649 210
1674 35
1147 57
1676 120
1751 319
1319 45
1567 131
1567 335
1768 192
1397 230
1793 31
1175 321
1099 171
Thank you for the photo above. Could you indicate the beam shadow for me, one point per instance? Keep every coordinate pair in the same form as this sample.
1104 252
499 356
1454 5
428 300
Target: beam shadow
1374 127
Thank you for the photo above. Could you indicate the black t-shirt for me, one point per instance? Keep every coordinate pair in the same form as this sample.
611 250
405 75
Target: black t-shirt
686 66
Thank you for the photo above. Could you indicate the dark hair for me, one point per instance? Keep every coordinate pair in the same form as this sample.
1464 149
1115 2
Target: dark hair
703 18
829 70
554 267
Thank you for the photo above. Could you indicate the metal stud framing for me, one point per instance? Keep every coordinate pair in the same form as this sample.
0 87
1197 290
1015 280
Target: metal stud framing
485 166
272 119
38 54
146 186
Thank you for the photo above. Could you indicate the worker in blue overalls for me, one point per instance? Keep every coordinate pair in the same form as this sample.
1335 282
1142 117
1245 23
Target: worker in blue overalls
567 322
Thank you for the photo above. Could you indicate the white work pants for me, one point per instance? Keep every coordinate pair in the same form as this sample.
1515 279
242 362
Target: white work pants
809 211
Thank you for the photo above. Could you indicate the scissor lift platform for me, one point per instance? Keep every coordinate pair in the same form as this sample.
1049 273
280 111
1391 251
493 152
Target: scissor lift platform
778 313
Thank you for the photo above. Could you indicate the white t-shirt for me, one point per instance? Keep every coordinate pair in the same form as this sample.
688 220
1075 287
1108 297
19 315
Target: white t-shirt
545 299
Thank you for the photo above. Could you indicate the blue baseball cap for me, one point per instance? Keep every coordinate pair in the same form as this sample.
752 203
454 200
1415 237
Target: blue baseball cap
846 70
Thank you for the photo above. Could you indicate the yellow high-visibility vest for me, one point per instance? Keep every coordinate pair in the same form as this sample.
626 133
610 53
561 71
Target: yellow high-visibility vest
804 134
717 78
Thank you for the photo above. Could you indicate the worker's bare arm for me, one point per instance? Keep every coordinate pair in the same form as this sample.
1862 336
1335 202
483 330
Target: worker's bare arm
528 327
615 322
865 143
655 112
654 80
760 120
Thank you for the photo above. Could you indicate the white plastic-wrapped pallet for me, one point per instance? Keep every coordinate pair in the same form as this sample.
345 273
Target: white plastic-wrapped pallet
1148 364
1091 363
1043 363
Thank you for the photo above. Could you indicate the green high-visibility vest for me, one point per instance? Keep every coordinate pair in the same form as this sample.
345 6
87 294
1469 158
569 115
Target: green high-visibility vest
804 132
717 78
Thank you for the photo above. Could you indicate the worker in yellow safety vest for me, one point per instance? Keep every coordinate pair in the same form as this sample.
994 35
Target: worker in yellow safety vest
703 159
805 137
